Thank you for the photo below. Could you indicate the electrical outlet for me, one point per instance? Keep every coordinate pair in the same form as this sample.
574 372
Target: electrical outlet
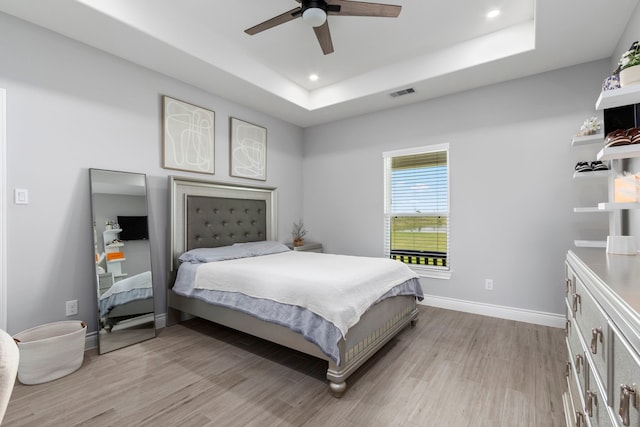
72 307
488 284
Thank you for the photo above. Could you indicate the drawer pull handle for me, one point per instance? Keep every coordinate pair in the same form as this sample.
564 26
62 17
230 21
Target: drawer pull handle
595 334
580 419
568 371
592 399
567 327
577 299
578 363
567 283
626 394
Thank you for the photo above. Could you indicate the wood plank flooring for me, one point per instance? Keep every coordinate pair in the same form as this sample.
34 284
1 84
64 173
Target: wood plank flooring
452 369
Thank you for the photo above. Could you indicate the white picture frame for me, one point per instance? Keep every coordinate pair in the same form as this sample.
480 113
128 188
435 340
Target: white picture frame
248 150
188 137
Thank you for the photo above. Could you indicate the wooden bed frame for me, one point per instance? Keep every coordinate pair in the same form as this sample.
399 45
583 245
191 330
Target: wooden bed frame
243 214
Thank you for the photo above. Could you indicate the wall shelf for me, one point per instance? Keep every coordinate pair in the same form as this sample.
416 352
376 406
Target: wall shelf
593 174
589 209
618 206
114 266
588 139
620 111
618 97
619 152
590 244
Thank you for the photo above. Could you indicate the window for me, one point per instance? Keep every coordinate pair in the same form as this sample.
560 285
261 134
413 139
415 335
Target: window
417 208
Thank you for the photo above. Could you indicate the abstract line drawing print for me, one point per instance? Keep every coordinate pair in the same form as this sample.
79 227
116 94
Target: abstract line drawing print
188 137
248 150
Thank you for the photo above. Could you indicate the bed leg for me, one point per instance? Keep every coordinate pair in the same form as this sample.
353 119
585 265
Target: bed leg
414 322
337 389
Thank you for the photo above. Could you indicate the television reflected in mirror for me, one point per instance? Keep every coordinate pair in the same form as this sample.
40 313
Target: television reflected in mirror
133 227
124 282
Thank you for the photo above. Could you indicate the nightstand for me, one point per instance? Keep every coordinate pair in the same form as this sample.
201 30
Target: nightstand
307 247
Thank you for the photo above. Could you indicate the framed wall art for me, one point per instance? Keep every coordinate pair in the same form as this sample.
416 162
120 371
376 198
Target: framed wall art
188 137
248 151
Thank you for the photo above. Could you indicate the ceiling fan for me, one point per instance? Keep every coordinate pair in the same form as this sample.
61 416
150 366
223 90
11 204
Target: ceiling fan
315 13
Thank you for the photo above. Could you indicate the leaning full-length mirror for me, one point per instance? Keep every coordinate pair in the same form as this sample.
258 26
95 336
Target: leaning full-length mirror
122 258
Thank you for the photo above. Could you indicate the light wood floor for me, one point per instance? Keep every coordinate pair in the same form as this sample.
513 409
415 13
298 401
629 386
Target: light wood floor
452 369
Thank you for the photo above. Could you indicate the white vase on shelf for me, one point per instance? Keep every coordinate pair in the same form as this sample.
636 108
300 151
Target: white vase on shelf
630 76
621 245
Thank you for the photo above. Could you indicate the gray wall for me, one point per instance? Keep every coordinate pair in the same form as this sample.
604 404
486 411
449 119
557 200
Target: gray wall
71 108
512 191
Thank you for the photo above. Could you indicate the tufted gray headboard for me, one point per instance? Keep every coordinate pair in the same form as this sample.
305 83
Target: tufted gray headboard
220 221
210 214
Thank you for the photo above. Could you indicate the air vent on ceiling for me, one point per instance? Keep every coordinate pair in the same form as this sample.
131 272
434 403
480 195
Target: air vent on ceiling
402 92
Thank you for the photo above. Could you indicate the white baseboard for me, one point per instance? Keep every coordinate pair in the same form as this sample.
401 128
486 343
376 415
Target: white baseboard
502 312
91 340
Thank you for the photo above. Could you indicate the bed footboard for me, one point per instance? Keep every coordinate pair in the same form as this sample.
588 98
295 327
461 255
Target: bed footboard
375 328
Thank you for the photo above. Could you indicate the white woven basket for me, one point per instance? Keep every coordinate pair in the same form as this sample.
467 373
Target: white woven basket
50 351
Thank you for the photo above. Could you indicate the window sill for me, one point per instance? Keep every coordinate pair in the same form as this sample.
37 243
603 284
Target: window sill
431 272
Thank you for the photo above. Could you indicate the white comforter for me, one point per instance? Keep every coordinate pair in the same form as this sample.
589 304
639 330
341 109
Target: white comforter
139 281
338 288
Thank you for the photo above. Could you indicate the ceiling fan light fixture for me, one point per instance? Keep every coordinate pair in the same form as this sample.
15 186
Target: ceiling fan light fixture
314 16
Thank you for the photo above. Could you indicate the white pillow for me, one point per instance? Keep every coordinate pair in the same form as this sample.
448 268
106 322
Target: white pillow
238 250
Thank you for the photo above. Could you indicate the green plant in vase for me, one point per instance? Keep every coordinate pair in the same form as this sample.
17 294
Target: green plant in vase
630 66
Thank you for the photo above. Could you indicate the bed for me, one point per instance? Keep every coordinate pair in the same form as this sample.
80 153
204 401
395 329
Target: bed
124 299
212 218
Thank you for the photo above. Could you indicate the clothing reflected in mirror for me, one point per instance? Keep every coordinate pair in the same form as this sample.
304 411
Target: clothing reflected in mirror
122 258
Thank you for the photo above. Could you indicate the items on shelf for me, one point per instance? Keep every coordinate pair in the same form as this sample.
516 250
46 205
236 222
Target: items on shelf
621 76
111 225
113 249
630 66
627 188
591 126
595 165
114 255
622 137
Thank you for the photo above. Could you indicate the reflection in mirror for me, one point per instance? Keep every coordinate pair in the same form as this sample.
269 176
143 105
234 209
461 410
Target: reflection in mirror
122 258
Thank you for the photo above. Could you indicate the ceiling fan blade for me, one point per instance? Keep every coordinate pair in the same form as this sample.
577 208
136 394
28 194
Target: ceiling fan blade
359 8
277 20
324 38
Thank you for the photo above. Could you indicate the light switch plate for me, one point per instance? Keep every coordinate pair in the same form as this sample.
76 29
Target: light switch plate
21 196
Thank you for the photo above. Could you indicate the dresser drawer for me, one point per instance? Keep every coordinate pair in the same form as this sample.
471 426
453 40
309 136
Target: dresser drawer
576 351
569 281
575 410
626 381
595 400
592 324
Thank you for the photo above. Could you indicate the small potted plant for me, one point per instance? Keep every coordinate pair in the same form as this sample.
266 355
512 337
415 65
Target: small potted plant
630 66
298 233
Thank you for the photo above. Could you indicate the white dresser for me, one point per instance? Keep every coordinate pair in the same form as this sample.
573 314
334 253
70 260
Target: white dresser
603 339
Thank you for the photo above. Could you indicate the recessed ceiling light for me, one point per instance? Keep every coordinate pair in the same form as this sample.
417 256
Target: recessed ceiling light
313 77
493 13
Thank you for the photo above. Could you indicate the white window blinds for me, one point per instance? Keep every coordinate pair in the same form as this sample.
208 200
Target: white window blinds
417 206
